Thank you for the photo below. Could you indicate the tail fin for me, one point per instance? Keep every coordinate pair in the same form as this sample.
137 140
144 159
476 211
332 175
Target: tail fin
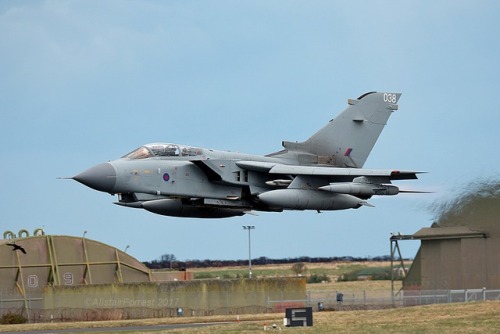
348 139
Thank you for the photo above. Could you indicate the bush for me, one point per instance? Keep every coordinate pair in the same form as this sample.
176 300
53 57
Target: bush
347 277
318 278
382 276
204 276
375 274
11 318
299 268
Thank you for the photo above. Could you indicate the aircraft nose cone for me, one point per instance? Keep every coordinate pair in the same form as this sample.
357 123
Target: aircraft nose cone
101 177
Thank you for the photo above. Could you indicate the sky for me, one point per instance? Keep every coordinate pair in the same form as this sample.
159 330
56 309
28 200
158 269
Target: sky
84 82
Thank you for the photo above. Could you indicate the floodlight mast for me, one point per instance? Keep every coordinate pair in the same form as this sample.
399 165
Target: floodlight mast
249 228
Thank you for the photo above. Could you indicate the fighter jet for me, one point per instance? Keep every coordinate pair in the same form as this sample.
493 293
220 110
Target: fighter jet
322 173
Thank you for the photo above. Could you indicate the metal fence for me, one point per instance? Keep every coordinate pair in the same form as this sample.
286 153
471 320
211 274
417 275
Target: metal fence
113 306
379 299
425 297
349 299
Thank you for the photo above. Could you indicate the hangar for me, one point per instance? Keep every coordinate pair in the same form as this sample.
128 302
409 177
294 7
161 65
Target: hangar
462 249
28 264
65 278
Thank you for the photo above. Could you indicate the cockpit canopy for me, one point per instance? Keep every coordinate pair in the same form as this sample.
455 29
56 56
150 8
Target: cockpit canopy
163 150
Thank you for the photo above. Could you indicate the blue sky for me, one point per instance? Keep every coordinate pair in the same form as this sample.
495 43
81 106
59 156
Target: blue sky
83 82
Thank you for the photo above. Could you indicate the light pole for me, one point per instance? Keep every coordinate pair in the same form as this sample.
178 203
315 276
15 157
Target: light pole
249 228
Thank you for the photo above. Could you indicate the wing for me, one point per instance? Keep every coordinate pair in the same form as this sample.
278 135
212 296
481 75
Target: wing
359 182
341 173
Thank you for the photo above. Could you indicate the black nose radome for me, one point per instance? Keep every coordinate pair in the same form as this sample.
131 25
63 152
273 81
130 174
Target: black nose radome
101 177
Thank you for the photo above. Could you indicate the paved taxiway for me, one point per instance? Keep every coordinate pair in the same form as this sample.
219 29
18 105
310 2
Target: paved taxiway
141 329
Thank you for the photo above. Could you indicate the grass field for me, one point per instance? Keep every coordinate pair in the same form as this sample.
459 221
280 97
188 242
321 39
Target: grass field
332 270
477 317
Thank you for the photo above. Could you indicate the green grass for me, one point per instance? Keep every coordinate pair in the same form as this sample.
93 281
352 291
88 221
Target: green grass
331 269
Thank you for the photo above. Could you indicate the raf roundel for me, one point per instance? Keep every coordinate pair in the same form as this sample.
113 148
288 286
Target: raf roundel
166 177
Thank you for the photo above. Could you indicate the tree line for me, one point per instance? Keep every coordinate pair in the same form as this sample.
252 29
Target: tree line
169 261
